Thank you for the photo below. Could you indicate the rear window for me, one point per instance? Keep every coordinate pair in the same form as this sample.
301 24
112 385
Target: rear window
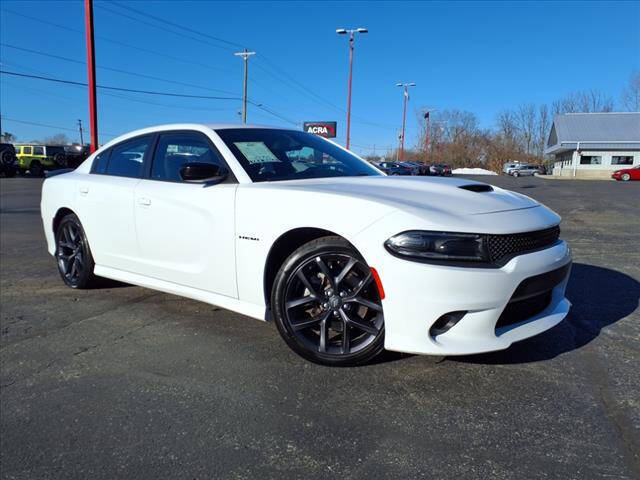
126 159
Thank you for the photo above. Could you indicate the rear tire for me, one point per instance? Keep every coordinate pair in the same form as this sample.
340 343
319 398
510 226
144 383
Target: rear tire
326 304
73 255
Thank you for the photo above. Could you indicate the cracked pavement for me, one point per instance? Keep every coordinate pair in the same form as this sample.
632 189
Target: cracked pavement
125 382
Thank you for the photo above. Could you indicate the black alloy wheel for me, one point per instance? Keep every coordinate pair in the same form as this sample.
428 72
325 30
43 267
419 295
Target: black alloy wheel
327 306
75 262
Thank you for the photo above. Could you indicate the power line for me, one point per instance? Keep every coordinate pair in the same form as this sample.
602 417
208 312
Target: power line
119 96
284 77
117 42
163 28
164 22
121 89
53 126
141 75
148 92
182 27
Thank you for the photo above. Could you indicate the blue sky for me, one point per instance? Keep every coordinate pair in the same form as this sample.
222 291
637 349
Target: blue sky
481 56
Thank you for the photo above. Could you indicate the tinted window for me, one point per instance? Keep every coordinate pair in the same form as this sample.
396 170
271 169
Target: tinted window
38 150
590 160
622 160
26 150
271 154
100 162
176 149
126 159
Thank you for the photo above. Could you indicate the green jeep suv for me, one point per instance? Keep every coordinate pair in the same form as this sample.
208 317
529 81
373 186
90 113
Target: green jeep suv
38 158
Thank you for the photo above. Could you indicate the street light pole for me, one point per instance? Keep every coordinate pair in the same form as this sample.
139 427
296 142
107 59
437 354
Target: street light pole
405 93
245 56
351 32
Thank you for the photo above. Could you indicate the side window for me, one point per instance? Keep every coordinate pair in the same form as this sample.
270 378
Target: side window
26 150
38 150
176 149
100 162
126 159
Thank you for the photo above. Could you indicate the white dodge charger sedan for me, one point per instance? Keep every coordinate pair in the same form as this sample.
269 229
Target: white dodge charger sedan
286 226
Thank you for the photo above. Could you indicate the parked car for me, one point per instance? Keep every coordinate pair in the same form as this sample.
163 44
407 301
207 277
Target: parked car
508 167
627 174
524 169
419 167
75 155
37 158
414 168
8 160
336 255
440 169
394 168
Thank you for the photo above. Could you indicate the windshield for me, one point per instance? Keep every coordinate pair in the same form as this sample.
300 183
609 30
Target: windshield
272 154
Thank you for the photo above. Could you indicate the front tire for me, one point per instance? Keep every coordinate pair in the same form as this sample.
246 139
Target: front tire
326 304
73 255
36 169
626 177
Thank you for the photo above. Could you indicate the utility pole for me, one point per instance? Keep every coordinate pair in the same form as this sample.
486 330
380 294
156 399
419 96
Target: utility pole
352 38
80 130
405 94
245 56
91 70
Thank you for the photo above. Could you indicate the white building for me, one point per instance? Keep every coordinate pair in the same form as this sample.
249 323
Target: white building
593 145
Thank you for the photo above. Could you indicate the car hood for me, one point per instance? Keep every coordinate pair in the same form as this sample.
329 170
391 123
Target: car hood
442 195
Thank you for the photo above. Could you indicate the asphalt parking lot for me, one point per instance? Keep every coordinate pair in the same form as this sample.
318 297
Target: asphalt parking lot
124 382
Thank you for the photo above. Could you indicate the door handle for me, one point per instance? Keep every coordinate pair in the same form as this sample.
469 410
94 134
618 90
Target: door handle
144 201
84 190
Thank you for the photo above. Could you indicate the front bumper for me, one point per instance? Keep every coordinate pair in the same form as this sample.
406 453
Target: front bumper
418 294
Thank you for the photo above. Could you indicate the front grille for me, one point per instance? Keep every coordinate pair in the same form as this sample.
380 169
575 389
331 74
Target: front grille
531 297
501 246
521 310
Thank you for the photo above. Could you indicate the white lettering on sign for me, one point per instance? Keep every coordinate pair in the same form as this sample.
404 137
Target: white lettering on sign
318 130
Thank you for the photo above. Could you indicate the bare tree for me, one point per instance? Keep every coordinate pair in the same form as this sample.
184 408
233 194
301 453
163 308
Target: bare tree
8 137
57 139
630 96
525 118
544 125
583 102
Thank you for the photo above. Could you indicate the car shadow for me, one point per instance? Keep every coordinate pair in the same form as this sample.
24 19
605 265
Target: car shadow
106 283
599 296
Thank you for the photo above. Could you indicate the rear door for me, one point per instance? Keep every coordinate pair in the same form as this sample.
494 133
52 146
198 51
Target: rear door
105 203
186 231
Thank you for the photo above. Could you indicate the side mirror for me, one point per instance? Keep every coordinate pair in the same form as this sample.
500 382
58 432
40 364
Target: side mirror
198 172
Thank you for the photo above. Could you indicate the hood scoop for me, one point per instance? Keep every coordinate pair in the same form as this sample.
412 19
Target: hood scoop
477 187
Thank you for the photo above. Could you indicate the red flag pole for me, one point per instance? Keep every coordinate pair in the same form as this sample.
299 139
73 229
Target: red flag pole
91 70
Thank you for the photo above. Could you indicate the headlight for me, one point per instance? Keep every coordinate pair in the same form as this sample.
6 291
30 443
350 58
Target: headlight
434 246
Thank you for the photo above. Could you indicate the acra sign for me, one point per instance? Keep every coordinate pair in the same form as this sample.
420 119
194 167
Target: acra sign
323 129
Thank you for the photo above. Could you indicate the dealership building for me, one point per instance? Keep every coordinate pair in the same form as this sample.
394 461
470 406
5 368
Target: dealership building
594 145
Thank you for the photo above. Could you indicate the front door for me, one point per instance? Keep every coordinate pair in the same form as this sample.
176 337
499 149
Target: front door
186 230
